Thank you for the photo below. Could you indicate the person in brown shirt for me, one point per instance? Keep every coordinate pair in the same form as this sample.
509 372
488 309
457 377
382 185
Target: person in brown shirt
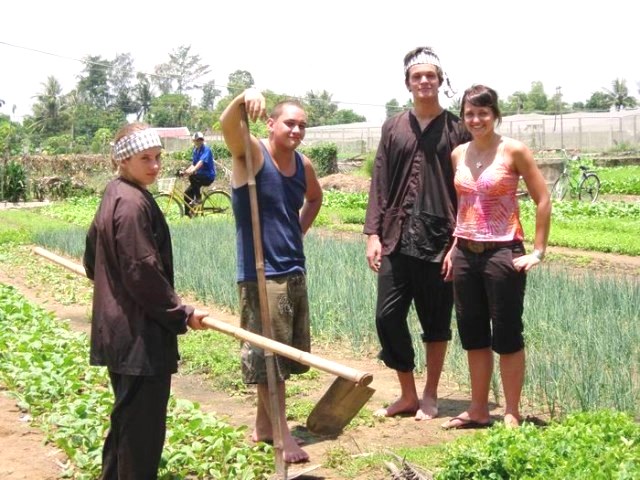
409 223
136 314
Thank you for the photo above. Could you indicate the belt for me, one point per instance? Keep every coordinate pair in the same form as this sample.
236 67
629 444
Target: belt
479 247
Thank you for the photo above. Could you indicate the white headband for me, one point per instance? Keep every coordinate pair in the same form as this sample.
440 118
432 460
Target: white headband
135 142
427 56
423 57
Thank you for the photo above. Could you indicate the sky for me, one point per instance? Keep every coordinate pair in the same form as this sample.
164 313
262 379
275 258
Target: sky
352 49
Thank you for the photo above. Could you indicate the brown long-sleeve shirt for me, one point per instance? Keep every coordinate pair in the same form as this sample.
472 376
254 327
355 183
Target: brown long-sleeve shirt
136 314
412 200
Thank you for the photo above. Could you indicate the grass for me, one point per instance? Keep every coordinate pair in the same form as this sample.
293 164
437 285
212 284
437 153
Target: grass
582 331
569 320
620 180
221 365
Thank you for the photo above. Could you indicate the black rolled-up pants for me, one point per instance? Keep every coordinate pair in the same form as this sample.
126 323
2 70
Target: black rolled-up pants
402 280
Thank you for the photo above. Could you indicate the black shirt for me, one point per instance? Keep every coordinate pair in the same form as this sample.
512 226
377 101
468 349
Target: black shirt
412 199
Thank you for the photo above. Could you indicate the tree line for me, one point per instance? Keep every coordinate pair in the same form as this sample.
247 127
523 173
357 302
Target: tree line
110 91
536 100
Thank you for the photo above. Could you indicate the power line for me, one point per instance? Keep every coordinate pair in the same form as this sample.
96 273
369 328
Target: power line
40 51
79 60
107 65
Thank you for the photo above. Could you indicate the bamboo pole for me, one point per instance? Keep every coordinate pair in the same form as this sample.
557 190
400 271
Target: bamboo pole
267 331
68 264
306 358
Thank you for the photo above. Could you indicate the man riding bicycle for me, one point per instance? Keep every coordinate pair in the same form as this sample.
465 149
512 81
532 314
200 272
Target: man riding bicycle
201 172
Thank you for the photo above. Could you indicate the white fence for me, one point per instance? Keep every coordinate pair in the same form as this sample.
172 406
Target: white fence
578 131
582 131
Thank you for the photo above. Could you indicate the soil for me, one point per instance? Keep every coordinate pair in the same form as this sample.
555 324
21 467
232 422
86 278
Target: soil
345 183
24 454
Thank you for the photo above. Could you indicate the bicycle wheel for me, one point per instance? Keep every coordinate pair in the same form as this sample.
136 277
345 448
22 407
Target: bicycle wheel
589 188
560 187
170 206
216 202
522 193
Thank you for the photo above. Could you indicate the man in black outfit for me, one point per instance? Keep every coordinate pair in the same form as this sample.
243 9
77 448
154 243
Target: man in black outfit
409 224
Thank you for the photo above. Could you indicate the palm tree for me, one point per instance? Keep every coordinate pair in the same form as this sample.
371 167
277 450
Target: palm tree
143 96
71 101
619 95
47 112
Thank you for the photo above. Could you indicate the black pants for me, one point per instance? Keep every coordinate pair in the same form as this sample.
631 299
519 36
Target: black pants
401 281
489 298
193 190
133 447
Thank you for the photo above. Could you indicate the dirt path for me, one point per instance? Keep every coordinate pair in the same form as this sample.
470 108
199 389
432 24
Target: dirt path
235 410
23 453
595 263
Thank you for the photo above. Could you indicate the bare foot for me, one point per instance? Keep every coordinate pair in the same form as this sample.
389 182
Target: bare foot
398 407
292 451
511 421
428 408
464 421
269 440
262 433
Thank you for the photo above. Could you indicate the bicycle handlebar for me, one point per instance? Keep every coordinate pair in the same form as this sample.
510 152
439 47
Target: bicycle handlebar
574 157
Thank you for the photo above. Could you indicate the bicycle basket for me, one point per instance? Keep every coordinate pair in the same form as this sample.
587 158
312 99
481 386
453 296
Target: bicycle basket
165 185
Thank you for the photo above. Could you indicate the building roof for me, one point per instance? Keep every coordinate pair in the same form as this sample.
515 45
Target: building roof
173 132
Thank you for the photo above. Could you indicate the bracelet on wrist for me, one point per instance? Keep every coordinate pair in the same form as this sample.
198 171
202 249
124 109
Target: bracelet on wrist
539 254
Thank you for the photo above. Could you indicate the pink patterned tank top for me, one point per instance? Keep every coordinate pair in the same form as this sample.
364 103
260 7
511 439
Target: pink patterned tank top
487 205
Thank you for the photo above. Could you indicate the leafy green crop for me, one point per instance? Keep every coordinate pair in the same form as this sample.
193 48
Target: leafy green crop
599 445
600 226
620 180
44 364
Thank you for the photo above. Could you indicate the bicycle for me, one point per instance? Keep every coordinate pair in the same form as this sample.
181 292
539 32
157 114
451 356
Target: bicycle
171 200
587 185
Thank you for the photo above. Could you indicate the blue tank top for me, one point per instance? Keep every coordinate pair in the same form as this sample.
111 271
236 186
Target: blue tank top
280 199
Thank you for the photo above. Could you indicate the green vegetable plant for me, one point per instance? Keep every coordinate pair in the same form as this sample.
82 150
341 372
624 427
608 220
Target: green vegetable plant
44 365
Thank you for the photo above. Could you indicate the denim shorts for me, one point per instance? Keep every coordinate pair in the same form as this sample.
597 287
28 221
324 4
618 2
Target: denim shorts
489 298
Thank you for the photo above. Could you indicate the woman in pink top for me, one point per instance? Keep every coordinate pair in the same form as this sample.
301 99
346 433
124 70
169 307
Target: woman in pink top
487 262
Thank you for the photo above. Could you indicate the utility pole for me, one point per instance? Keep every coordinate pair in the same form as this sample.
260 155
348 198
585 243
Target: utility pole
559 109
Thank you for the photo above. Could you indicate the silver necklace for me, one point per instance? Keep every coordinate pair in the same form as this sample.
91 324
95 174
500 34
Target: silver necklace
484 157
